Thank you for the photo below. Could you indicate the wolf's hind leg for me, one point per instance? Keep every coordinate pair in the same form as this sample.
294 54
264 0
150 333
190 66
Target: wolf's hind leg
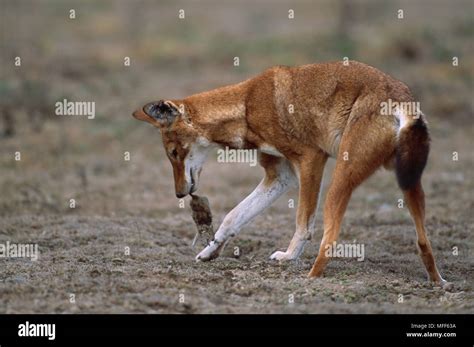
415 199
358 158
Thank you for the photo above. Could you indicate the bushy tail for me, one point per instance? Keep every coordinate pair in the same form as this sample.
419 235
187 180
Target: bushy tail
412 152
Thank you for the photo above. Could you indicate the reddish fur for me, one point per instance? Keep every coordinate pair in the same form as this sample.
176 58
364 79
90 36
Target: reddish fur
336 112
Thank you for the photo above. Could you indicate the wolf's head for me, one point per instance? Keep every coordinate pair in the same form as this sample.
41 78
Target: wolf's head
185 146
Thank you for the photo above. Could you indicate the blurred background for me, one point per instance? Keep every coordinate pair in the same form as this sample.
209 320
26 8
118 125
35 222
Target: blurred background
82 59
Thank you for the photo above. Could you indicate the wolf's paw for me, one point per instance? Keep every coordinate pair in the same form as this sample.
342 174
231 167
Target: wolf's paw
281 256
447 286
212 251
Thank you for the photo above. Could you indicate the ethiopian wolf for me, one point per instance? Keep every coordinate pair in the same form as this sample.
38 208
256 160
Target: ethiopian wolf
298 117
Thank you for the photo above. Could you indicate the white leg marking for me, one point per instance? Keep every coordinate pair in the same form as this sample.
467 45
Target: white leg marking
262 197
302 235
299 240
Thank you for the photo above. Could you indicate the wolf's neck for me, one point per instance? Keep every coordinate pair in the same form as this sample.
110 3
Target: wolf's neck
220 113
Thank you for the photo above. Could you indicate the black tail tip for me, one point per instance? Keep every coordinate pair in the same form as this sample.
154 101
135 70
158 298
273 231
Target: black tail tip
412 154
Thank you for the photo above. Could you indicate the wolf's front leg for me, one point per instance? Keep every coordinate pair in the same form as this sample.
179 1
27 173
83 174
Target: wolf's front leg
278 179
311 168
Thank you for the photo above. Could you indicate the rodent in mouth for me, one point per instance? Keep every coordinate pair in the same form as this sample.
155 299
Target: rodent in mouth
202 216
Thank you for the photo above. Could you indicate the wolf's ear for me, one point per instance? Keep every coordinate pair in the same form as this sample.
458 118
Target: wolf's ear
165 112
